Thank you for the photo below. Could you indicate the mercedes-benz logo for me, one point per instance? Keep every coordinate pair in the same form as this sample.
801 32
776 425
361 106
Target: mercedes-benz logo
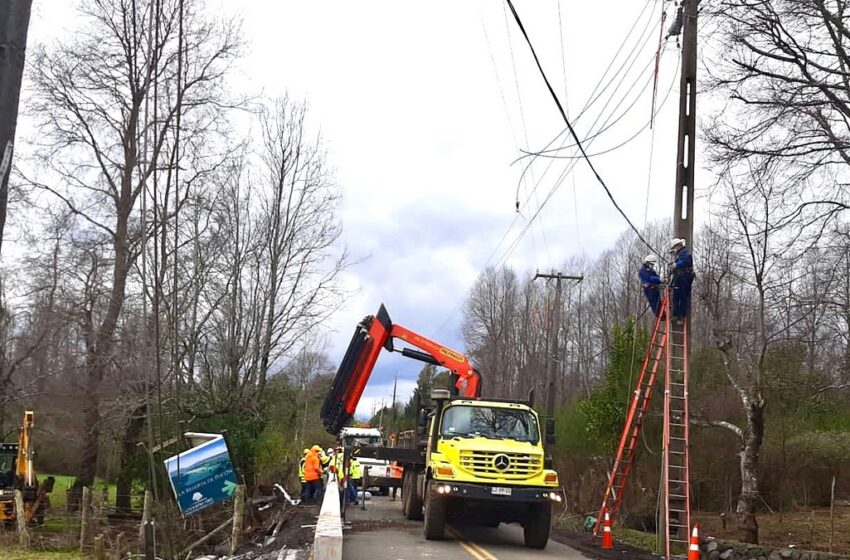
501 462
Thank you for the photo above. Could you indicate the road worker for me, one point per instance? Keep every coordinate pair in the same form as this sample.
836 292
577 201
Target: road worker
313 474
682 278
355 479
397 472
301 474
650 281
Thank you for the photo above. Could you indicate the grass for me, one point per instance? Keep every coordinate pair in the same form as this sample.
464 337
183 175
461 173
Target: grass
20 554
637 539
58 497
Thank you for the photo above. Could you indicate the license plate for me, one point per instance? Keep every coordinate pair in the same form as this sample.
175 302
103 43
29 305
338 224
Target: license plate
499 491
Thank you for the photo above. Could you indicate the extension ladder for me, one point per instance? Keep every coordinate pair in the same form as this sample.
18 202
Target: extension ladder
668 344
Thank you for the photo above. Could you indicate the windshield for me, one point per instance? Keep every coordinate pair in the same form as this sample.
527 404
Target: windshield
7 469
359 441
493 423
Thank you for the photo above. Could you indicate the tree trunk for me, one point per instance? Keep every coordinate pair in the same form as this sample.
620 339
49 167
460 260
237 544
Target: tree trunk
132 433
748 500
91 427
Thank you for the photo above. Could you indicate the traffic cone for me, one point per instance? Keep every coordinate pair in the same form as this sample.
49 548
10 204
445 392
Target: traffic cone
607 537
693 549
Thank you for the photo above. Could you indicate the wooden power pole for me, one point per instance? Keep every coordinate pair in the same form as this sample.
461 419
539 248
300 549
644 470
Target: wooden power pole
555 327
14 23
683 210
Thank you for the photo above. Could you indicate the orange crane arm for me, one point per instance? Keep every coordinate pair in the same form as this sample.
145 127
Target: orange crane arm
377 332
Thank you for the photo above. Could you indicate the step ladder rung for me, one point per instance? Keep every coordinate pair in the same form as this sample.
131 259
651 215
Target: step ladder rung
678 481
678 496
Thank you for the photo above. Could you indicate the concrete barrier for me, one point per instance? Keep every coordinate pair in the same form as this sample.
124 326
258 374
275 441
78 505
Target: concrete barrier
327 544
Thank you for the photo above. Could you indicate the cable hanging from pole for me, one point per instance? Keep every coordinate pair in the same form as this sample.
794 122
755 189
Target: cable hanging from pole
578 142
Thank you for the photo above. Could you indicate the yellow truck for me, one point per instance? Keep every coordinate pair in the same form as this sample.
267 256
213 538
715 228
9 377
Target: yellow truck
470 458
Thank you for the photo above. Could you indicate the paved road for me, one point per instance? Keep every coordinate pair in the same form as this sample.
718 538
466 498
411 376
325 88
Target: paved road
382 533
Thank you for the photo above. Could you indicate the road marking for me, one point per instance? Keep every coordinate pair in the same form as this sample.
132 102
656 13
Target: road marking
474 549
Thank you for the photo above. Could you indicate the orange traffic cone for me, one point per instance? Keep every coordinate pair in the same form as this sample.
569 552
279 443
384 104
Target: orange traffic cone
607 537
693 549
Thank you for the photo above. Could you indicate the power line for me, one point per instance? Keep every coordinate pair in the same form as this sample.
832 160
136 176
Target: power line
594 96
572 131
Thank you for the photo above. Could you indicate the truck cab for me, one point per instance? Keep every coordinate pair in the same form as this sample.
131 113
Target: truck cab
485 463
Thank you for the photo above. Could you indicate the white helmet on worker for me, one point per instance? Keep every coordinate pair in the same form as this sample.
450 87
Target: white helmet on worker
677 241
651 259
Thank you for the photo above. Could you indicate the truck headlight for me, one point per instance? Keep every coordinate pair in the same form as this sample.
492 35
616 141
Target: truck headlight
555 497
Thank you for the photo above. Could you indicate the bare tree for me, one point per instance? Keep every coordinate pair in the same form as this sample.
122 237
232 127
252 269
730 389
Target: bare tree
783 72
95 127
274 240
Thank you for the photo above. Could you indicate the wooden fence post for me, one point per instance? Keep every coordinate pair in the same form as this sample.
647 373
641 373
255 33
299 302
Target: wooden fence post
99 548
85 512
21 519
146 514
238 510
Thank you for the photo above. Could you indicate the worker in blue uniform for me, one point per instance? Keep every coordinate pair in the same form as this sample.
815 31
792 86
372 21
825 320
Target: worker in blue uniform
682 278
650 282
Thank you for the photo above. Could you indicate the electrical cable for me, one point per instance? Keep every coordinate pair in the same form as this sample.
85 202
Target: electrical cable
572 131
593 98
524 129
618 146
636 49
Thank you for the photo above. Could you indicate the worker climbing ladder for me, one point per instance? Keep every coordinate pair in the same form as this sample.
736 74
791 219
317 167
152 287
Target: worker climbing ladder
668 345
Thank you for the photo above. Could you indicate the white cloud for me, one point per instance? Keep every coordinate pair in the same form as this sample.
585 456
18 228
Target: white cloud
422 130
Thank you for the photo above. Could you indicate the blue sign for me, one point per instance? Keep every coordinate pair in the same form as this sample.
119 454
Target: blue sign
202 476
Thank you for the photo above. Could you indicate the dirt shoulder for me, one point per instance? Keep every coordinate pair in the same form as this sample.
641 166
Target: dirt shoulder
590 547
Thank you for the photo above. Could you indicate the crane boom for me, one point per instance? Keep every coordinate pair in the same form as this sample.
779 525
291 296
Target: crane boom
377 332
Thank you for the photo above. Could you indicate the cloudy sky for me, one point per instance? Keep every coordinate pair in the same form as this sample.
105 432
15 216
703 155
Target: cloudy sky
425 106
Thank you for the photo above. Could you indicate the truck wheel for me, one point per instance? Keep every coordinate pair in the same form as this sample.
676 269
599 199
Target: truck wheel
413 499
535 528
435 514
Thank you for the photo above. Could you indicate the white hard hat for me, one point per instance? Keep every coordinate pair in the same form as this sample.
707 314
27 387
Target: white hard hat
330 449
651 259
677 241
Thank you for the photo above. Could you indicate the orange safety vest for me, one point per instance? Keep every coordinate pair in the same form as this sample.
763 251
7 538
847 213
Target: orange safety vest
395 470
312 467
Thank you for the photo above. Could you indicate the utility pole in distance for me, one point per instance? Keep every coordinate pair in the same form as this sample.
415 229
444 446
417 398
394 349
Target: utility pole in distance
14 23
552 363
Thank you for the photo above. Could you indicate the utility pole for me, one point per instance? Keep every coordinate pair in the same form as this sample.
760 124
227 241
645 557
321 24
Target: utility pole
555 326
395 410
683 210
14 23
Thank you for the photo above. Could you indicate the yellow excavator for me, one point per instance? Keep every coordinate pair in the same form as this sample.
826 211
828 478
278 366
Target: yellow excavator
17 473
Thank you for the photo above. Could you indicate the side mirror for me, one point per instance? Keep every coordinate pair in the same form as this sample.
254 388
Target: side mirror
550 431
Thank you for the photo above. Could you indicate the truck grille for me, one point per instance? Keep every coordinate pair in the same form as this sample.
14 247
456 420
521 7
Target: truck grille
491 464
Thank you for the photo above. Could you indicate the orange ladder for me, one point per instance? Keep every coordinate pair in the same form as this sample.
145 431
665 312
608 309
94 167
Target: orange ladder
668 344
